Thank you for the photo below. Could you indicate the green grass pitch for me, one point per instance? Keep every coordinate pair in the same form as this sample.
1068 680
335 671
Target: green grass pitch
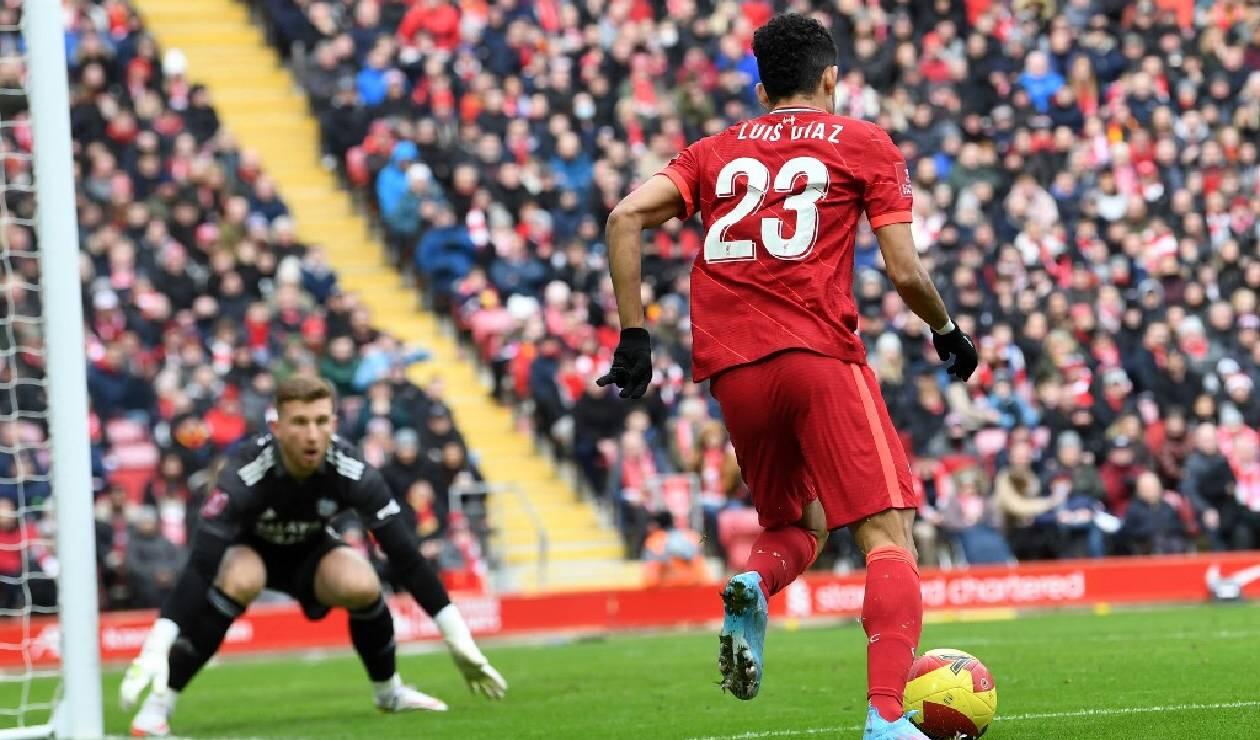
1166 673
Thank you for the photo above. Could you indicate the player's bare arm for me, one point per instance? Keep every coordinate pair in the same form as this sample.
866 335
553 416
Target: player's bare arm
914 284
650 205
909 276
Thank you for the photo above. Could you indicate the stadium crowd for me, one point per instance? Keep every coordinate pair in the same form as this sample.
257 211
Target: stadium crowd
1086 190
199 298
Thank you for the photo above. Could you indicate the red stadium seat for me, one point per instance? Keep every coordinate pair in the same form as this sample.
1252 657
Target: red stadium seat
357 167
675 494
125 431
989 442
737 530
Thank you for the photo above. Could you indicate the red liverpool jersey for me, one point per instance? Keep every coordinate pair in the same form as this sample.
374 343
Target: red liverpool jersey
780 197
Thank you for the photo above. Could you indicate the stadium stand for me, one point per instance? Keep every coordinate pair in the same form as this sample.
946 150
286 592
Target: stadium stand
198 296
1086 188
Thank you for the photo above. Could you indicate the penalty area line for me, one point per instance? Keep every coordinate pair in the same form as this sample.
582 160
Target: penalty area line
1102 712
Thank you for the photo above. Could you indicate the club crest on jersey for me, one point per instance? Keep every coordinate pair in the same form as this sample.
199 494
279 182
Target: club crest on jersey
214 505
326 507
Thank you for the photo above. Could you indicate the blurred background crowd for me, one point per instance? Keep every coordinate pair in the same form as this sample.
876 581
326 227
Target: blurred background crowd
199 298
1086 196
1086 190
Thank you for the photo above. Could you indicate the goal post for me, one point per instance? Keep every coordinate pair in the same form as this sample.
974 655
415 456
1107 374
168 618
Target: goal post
77 713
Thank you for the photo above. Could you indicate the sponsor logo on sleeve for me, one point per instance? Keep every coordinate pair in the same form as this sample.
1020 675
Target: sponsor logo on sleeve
903 179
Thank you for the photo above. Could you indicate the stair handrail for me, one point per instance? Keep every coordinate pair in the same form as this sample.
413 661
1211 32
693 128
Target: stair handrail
456 503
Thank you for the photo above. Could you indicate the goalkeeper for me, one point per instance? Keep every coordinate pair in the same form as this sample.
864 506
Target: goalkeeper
265 524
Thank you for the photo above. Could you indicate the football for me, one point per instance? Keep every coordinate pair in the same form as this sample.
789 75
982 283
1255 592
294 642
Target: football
952 693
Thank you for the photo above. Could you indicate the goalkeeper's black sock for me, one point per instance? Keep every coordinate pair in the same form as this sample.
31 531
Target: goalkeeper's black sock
199 639
426 588
372 632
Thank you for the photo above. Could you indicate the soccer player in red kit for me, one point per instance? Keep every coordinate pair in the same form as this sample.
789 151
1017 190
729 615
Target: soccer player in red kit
774 324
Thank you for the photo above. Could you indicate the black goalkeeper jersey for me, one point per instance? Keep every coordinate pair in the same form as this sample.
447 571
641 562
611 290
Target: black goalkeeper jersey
256 500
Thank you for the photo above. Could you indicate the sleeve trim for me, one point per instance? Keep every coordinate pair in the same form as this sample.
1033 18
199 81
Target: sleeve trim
683 189
893 217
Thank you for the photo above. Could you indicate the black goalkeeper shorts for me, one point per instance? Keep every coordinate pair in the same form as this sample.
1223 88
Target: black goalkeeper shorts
291 569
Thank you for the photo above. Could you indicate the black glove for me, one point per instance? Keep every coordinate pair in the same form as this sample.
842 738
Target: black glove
957 345
632 364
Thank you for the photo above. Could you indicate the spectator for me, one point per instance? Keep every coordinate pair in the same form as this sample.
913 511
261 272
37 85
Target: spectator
1245 534
628 489
405 466
340 364
1174 448
1208 484
151 561
1082 490
318 279
1151 525
714 463
1028 516
457 485
430 516
1118 472
112 532
672 555
170 497
23 480
16 536
391 182
460 561
444 254
969 516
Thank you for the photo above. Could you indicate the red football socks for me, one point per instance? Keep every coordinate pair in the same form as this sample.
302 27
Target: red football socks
779 556
892 615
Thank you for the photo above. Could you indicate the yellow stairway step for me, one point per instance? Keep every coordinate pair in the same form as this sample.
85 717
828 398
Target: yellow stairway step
248 119
236 76
266 127
518 554
227 56
523 532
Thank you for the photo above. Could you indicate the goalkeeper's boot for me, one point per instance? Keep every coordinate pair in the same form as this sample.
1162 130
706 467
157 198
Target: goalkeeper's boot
743 635
878 728
153 719
395 696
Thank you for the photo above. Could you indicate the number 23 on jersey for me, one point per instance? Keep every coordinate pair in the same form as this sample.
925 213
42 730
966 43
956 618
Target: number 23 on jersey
788 179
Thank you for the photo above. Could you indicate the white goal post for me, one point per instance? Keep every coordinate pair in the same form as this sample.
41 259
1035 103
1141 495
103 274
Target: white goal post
76 710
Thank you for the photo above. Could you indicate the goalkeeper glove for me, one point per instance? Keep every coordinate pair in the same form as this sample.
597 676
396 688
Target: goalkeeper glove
950 342
632 364
150 667
482 678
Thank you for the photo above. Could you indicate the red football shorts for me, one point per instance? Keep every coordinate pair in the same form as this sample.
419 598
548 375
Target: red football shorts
811 427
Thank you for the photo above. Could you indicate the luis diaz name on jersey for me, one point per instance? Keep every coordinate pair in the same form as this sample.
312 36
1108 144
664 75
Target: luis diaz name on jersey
829 132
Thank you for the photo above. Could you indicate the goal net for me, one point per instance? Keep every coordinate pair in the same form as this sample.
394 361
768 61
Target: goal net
49 669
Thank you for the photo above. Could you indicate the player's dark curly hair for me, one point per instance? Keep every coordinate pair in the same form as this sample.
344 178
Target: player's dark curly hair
792 51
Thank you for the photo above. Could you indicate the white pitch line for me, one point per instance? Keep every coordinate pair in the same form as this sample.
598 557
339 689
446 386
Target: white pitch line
1123 637
1105 712
1110 712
